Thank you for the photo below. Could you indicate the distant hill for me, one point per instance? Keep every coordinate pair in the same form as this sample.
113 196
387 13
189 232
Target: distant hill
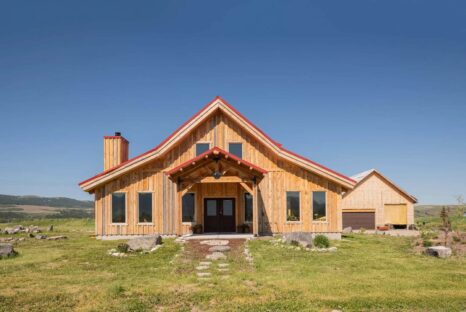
61 202
434 210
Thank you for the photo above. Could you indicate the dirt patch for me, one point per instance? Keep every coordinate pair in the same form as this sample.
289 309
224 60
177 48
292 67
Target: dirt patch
197 251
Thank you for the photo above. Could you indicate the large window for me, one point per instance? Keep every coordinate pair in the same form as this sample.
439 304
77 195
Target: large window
236 149
247 207
188 207
319 206
145 207
292 206
202 148
118 208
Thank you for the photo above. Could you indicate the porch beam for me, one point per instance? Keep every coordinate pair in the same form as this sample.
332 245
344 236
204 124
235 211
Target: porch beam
247 188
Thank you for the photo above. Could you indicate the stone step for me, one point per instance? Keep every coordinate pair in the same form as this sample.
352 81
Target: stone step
203 274
223 270
205 263
202 267
223 265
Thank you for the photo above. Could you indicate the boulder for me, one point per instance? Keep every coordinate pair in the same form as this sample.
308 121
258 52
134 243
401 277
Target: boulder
145 243
347 230
439 251
219 248
6 250
41 236
303 238
10 230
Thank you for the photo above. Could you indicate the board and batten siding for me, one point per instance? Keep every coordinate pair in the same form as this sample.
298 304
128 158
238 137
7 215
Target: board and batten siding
219 130
374 193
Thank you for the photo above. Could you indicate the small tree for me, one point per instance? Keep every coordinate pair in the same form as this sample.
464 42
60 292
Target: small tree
446 223
461 205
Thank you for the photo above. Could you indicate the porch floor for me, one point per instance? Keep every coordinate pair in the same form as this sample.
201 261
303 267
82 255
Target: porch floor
218 236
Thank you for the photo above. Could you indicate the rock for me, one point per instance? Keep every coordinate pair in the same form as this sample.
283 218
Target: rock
223 270
202 267
304 244
219 248
215 242
41 236
10 230
50 228
144 243
6 250
155 248
332 249
302 238
347 230
223 265
33 229
216 256
203 274
439 251
205 263
57 237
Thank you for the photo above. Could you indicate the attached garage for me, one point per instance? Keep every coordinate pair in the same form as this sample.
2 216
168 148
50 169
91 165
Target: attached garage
359 219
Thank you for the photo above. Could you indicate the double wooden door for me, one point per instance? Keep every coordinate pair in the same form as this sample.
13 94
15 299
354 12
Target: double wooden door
219 215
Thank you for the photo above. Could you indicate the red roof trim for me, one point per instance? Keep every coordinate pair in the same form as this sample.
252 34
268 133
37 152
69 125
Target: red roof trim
196 115
211 151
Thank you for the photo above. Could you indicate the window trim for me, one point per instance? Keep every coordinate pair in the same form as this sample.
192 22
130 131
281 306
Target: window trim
201 142
242 148
195 206
126 208
300 221
152 208
326 207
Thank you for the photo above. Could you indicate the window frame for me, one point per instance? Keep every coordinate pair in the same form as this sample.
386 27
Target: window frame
152 208
242 149
195 206
202 142
326 207
126 208
286 208
252 207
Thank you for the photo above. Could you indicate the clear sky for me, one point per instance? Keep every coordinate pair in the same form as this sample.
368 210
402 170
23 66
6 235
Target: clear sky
350 84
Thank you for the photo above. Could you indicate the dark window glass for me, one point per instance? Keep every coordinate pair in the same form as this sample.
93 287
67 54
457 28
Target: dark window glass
236 149
319 206
188 207
118 208
202 148
292 206
211 207
145 207
227 207
247 207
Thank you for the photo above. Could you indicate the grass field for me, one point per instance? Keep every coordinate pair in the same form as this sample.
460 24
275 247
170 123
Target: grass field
367 273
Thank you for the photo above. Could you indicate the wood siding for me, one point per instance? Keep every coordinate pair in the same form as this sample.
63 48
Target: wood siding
219 130
375 193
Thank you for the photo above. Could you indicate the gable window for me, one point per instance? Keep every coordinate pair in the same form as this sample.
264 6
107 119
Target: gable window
202 148
292 206
319 206
145 207
118 208
247 207
236 149
188 207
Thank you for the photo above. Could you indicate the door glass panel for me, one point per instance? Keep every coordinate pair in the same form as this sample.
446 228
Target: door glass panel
227 207
211 208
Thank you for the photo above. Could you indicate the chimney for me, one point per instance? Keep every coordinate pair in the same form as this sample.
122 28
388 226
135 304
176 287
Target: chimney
115 150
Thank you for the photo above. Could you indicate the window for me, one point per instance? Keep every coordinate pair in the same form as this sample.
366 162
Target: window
292 206
145 207
211 207
202 148
118 208
227 207
247 207
188 207
236 149
319 206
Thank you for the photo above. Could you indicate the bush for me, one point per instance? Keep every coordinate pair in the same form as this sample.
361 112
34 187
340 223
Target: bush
426 243
321 241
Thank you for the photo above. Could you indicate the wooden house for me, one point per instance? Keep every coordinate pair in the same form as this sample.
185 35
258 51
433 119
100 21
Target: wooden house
220 173
376 201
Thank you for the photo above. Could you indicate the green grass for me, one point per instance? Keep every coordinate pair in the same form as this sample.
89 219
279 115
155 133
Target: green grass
367 273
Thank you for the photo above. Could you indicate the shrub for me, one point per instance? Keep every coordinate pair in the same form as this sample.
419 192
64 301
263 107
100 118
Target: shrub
123 247
426 243
321 241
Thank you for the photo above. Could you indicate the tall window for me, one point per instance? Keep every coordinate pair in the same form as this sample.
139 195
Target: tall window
319 206
118 208
145 207
247 207
292 206
236 149
188 207
202 148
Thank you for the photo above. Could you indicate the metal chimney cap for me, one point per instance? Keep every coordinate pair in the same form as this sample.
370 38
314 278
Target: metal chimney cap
117 133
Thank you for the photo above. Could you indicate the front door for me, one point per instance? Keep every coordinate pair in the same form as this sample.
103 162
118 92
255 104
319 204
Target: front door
219 215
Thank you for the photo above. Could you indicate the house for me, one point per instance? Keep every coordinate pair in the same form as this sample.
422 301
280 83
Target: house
376 201
218 172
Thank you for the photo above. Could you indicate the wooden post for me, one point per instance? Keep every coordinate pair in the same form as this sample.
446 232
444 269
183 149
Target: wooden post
255 209
177 208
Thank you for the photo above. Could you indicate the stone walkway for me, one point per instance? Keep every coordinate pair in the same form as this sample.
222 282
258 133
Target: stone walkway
215 260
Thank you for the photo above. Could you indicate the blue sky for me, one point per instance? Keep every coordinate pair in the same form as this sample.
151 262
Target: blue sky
350 84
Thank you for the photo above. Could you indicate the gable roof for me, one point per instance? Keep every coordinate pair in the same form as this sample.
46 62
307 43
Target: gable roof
363 176
216 104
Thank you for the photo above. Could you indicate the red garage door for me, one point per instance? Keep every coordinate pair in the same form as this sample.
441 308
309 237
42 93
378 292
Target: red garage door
359 220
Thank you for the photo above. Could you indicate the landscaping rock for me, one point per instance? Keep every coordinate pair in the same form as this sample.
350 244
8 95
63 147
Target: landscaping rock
216 256
145 243
215 242
41 236
155 248
332 249
219 248
202 267
439 251
223 265
302 238
57 237
33 229
6 250
205 263
347 230
203 274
